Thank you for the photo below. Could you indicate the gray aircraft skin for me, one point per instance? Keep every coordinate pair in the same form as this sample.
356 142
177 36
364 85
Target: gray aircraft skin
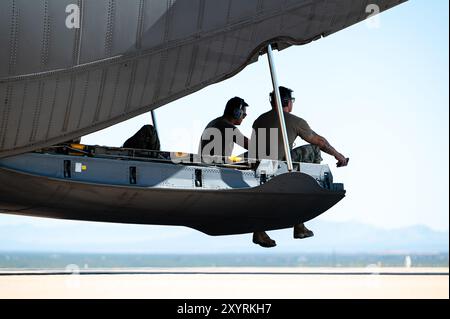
69 68
228 201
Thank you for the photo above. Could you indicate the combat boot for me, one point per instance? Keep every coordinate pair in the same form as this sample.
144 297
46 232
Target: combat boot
262 239
301 232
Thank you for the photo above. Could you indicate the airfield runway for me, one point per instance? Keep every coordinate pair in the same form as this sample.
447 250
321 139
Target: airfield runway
228 283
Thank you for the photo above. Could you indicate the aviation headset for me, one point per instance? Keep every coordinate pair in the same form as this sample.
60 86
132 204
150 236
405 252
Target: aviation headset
238 112
238 105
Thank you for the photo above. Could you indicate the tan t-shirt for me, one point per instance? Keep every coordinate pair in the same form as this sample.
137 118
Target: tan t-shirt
295 125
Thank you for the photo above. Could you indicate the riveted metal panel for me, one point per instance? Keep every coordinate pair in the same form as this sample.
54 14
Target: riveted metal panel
270 5
142 73
184 19
106 99
90 99
174 75
45 113
240 10
62 40
215 15
29 36
95 43
59 106
152 78
126 22
122 88
80 87
8 19
154 30
29 105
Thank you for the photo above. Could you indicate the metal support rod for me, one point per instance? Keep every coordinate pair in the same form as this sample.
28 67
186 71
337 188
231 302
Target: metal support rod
273 73
155 124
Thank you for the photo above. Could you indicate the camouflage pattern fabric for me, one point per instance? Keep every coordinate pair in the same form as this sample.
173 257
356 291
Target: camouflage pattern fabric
307 154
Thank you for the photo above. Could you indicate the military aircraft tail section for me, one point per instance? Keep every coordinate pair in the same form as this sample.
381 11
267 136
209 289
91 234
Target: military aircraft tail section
70 68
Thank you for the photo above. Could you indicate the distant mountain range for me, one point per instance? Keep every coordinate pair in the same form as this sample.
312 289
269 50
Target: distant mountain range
41 235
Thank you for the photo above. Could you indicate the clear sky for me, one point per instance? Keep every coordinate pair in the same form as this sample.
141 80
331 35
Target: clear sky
378 94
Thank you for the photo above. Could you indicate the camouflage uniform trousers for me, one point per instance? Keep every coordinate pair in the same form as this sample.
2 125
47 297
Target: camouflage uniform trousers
307 154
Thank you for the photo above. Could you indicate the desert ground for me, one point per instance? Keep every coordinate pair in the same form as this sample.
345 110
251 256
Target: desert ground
228 283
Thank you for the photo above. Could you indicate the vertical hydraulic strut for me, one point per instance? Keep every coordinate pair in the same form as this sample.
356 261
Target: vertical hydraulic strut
282 120
155 124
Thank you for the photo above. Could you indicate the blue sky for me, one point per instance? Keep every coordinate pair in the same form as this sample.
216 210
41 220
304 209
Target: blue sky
379 95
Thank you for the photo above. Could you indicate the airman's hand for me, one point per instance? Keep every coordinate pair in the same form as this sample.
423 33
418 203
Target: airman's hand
342 160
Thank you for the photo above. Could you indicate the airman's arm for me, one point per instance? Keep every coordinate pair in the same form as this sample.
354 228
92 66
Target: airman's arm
326 147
